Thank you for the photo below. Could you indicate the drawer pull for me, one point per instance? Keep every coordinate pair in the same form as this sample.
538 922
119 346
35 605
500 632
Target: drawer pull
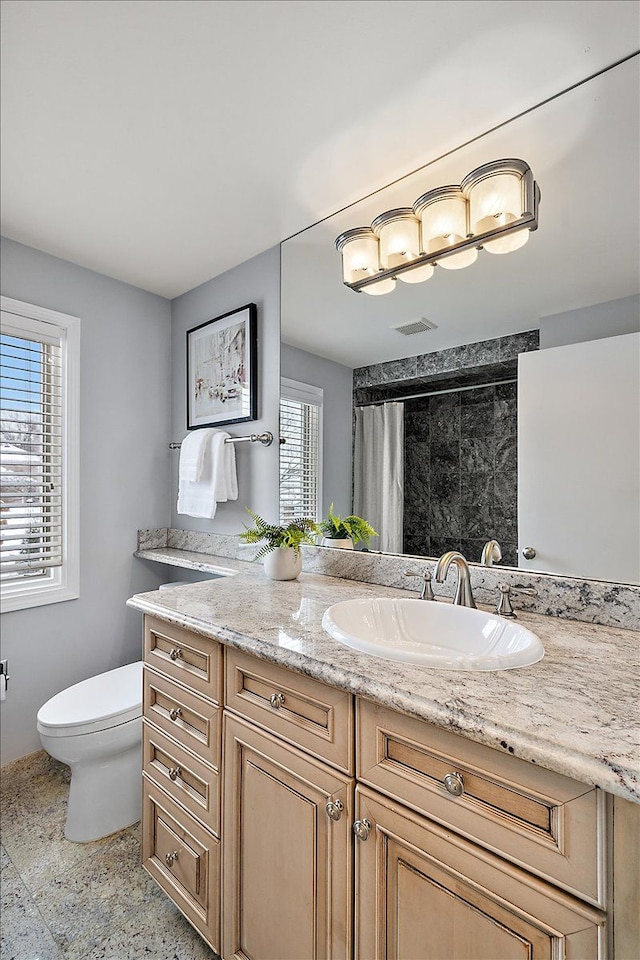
454 784
175 653
362 829
175 714
174 773
171 858
276 700
334 809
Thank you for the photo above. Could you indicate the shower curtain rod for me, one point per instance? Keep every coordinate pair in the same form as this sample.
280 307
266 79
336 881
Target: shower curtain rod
435 393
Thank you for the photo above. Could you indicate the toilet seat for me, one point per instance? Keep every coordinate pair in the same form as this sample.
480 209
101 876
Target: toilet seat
98 703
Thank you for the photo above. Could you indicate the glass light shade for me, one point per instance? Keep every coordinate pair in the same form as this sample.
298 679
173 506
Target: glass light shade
382 286
399 233
513 241
359 249
458 261
417 275
443 216
495 201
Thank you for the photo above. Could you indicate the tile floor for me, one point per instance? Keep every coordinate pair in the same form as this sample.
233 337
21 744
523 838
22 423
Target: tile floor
77 901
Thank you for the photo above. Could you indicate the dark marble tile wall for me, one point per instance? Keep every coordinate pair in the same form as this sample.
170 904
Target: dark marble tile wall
429 366
461 472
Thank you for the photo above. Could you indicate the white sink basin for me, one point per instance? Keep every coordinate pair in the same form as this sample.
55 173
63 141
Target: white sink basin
434 634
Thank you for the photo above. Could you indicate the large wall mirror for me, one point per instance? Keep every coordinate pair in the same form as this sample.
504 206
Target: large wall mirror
512 414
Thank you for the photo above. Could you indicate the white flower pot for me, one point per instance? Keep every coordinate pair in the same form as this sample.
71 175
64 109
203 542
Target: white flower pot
342 544
283 563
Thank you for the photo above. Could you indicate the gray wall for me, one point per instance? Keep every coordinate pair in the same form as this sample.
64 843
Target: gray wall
124 485
337 382
256 281
611 319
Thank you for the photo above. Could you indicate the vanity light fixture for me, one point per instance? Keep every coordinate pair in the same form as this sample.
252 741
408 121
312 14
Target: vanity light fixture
494 208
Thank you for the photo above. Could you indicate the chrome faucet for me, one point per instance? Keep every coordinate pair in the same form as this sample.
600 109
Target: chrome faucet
491 553
464 596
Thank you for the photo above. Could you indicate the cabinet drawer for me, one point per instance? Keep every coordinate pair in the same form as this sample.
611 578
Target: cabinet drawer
193 660
192 721
183 776
540 820
303 711
184 859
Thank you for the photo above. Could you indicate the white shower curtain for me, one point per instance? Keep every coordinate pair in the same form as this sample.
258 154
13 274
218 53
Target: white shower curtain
378 467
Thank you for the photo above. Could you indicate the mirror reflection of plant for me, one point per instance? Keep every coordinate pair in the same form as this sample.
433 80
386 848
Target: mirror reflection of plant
353 528
298 531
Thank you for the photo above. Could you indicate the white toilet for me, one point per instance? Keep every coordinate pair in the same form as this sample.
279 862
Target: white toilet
95 727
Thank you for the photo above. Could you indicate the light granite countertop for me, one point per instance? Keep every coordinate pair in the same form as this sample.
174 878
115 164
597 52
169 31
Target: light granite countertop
576 712
190 560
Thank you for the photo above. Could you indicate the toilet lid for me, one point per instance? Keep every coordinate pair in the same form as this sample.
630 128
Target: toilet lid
98 703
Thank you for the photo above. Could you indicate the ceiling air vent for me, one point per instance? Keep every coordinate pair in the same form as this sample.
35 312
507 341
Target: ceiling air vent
414 326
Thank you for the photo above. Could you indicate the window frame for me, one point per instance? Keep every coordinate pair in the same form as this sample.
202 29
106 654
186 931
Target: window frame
63 582
301 392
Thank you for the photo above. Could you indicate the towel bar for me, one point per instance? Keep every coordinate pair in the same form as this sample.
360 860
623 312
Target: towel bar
266 439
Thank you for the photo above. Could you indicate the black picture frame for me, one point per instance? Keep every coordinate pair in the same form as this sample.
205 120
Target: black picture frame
222 372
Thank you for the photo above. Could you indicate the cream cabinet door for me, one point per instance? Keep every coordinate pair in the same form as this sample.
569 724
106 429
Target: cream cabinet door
287 887
422 893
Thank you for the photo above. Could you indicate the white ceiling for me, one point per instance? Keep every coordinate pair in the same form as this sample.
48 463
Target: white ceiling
164 142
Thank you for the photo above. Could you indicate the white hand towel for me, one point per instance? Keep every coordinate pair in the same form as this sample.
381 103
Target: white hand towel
192 451
225 479
218 480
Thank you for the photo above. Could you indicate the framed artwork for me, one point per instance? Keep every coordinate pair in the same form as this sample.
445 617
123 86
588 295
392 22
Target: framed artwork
222 375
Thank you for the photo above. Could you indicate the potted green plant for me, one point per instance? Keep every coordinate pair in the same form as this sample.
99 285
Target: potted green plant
345 531
281 551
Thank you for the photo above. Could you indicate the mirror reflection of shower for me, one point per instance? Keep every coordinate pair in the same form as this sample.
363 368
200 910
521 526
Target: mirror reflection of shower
438 470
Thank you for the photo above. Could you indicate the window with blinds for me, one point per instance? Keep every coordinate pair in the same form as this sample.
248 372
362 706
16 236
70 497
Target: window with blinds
34 500
31 445
300 455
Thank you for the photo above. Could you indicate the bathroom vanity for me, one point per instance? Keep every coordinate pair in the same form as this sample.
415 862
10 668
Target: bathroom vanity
304 800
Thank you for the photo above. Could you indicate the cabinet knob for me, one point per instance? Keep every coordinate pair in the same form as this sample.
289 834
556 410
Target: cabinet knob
334 809
276 700
362 829
175 714
529 553
170 858
175 653
174 773
454 784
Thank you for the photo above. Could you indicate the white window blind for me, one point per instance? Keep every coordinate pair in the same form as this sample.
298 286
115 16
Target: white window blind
300 455
36 529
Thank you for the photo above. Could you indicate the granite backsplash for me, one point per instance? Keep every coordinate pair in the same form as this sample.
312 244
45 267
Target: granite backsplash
590 601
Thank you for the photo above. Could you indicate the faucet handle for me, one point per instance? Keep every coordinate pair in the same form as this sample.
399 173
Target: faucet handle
523 589
427 590
504 608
